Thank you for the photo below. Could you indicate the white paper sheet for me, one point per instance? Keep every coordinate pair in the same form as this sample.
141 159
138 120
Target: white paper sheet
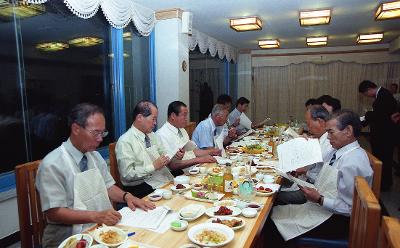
297 153
139 218
291 133
245 121
245 134
295 180
219 142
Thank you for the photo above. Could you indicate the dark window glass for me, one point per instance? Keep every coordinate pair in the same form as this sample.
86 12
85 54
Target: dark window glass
232 83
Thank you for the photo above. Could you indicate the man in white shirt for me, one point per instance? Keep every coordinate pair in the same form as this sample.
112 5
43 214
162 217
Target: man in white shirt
74 183
234 117
174 137
212 128
142 159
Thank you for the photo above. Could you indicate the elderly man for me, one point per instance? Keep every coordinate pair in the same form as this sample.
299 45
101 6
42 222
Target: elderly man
142 159
74 183
316 117
212 128
174 136
329 204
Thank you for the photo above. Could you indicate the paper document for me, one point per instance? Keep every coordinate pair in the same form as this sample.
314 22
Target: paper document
219 143
295 179
142 219
297 153
244 135
291 133
245 121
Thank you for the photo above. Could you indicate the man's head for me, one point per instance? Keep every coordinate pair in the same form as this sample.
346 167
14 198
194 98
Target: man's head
219 114
88 126
177 114
145 116
242 104
331 104
343 126
225 100
316 117
310 102
393 88
367 88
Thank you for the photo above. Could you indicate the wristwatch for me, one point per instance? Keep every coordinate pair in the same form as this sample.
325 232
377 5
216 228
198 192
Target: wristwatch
320 200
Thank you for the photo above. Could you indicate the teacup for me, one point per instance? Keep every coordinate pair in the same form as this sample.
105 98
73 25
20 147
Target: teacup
167 194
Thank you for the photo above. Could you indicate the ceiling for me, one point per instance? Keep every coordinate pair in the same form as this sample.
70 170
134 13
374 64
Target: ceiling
280 20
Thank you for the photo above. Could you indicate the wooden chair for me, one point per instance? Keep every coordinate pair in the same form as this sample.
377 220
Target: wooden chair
364 221
190 128
376 165
114 165
31 218
390 233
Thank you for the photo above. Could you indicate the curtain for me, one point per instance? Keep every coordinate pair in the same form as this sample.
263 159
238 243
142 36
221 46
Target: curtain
280 92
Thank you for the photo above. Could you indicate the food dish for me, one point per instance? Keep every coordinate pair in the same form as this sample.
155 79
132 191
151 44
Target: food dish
154 197
253 149
242 170
179 225
211 234
266 189
233 222
222 160
192 212
181 180
249 212
203 196
229 203
110 236
215 170
197 186
217 211
194 171
72 241
254 205
180 187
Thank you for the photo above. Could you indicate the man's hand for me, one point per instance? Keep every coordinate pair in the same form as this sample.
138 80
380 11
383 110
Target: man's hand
109 217
206 159
134 202
396 117
237 122
299 171
310 194
179 154
214 152
161 162
232 133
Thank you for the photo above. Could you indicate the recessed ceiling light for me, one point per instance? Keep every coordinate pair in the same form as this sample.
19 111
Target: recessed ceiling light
315 17
85 41
369 38
317 41
269 43
246 24
51 46
21 10
388 11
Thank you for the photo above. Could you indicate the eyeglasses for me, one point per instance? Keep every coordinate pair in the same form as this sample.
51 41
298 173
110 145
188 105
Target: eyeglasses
97 133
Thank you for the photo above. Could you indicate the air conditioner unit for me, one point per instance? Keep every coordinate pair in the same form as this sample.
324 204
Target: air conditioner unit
187 18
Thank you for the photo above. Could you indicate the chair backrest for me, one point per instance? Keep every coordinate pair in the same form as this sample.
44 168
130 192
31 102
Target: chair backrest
390 233
190 128
376 165
114 165
31 218
365 216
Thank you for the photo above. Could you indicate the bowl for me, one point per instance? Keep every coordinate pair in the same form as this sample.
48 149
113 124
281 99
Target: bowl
254 205
154 197
198 186
167 194
181 180
249 212
99 231
179 225
194 171
77 237
196 230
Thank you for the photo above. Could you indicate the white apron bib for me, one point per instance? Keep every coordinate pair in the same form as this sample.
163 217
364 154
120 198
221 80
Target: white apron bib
159 177
219 142
90 192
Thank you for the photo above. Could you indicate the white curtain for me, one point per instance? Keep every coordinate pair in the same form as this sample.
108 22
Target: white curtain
119 13
281 91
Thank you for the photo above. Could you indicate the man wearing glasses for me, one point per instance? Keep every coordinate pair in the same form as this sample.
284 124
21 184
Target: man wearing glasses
74 183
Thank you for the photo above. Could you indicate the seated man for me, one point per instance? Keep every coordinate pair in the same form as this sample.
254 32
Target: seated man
141 157
331 104
316 117
74 183
174 136
234 117
334 186
207 131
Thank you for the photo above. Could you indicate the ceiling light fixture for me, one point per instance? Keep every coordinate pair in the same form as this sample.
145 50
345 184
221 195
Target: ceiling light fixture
269 44
369 38
246 24
51 46
315 17
21 9
388 11
85 41
317 41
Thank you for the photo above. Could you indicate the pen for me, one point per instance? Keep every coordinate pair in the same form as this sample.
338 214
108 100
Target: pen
131 234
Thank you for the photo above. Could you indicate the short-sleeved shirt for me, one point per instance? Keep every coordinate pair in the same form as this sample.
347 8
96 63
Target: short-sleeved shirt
204 133
134 163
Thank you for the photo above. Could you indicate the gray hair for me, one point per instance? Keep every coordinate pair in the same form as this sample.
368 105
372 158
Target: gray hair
218 109
345 118
81 112
318 112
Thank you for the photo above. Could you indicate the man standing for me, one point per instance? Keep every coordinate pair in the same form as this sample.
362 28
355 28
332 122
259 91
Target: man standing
142 159
74 183
174 136
383 129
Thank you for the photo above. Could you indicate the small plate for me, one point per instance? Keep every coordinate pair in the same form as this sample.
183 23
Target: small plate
197 210
87 237
154 197
249 212
184 224
274 187
228 218
194 231
194 171
99 231
187 187
210 211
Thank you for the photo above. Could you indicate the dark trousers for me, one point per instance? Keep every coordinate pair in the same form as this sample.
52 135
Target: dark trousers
140 190
383 150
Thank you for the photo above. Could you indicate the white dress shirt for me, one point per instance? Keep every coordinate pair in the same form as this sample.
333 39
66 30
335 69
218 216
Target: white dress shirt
351 161
203 135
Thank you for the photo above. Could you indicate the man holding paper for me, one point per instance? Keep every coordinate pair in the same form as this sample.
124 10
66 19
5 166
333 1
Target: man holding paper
174 137
329 205
142 159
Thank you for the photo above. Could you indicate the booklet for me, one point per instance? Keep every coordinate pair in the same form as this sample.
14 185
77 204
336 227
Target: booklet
142 219
245 121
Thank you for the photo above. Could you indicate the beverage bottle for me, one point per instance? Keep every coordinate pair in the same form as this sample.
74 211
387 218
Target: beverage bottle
228 181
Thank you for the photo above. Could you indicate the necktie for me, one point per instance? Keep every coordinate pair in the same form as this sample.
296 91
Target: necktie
180 133
332 159
147 141
215 132
83 163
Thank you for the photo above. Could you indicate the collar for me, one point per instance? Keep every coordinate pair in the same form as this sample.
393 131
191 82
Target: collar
213 127
346 148
377 92
73 151
171 127
323 138
139 134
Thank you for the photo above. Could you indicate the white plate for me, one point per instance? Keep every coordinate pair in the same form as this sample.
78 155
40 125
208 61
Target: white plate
188 195
212 172
130 242
210 211
222 160
230 203
194 171
273 186
187 187
222 229
265 164
88 238
228 218
98 231
99 246
197 209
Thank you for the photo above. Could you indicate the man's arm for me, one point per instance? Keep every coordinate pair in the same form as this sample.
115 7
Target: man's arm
70 216
182 164
117 195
